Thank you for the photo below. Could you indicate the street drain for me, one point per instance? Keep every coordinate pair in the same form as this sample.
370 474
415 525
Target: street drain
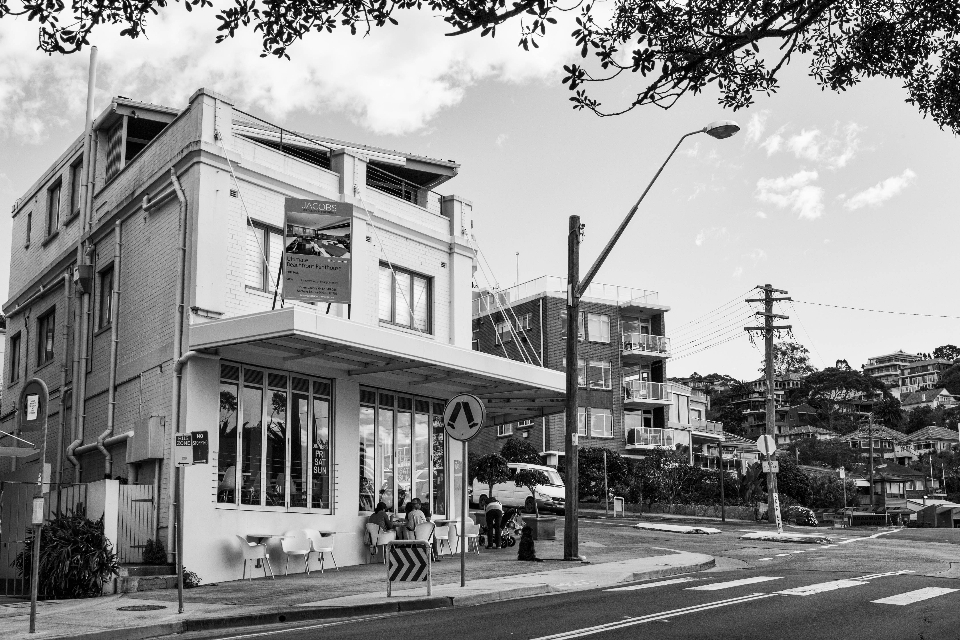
141 607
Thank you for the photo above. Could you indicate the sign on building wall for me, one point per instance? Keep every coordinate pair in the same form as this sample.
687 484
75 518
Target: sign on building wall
317 240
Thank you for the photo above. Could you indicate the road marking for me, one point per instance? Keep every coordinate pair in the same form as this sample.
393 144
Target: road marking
653 617
799 552
915 596
733 583
780 555
884 575
876 535
820 587
765 558
650 585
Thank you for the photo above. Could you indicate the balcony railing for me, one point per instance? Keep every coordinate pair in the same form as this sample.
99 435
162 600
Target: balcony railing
707 426
649 436
638 391
635 342
557 286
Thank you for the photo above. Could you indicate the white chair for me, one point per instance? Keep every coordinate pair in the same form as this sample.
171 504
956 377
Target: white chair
424 531
254 551
321 545
471 533
442 535
295 543
377 538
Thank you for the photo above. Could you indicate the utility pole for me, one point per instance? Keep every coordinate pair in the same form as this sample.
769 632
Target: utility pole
870 432
768 330
571 505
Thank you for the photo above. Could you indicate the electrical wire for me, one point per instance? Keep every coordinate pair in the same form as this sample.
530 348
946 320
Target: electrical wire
733 314
680 357
734 331
896 313
737 299
736 323
793 308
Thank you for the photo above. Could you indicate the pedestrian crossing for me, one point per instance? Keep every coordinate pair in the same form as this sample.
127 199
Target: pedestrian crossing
899 599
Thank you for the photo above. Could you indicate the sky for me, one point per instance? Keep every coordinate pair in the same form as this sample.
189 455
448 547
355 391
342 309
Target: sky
847 200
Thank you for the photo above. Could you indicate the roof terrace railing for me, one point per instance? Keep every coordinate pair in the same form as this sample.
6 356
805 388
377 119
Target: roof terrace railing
557 286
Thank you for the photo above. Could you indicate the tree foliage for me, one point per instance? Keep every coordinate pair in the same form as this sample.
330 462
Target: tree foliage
950 379
491 469
520 450
831 453
833 390
889 413
670 48
531 479
947 352
790 357
590 464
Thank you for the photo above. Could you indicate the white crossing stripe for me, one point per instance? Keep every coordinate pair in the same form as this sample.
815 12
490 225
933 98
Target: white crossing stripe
915 596
780 555
799 552
765 558
733 583
650 585
820 587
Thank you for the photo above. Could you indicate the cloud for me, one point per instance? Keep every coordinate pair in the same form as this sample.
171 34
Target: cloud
881 192
713 233
795 192
501 139
394 81
757 255
757 125
761 214
773 143
805 145
833 151
738 272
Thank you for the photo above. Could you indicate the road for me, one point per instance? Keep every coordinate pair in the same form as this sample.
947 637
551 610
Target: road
865 585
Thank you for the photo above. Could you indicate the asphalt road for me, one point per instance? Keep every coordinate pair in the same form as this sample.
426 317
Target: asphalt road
865 585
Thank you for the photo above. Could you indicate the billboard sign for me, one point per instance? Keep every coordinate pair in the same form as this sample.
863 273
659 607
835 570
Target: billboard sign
317 240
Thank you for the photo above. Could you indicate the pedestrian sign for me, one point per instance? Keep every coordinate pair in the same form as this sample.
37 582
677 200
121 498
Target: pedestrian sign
408 561
183 449
463 416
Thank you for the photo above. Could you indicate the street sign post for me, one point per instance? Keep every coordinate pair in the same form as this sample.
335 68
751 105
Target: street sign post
201 446
183 449
771 467
463 416
32 412
767 446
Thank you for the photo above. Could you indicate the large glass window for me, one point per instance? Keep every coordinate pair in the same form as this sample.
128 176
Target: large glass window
264 251
598 327
601 423
402 451
279 453
405 298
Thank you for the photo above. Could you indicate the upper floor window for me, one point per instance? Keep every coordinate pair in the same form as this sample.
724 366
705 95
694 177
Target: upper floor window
504 332
46 331
581 371
15 357
601 423
525 321
264 251
26 242
599 374
504 430
598 327
53 208
105 301
75 189
405 299
563 325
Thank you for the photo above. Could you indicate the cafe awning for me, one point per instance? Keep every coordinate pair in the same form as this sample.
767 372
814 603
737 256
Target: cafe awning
376 356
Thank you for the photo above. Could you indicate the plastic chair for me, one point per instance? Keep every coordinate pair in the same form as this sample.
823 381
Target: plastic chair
471 533
321 545
441 535
295 543
377 538
254 551
424 531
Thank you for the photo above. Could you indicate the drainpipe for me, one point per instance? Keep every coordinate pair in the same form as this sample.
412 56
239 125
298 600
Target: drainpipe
63 385
114 331
109 442
176 500
80 368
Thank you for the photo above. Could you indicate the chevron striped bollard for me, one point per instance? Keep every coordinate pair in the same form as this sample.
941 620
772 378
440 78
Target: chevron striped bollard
409 561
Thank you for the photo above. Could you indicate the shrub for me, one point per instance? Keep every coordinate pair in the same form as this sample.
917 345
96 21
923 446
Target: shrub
154 553
520 450
76 558
190 579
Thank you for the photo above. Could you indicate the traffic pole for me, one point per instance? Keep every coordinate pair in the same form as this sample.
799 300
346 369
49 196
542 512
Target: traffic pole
463 520
571 507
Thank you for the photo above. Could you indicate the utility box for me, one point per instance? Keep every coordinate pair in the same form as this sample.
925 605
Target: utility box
148 440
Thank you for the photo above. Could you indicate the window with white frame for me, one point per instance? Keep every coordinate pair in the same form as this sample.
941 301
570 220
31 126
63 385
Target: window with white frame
504 332
275 439
563 325
599 374
598 327
525 424
525 321
581 371
504 430
601 423
263 256
405 298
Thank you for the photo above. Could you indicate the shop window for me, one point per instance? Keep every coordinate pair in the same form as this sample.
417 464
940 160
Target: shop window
405 298
280 426
402 451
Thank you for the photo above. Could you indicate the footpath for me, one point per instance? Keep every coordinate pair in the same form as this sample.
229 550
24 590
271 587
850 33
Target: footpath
351 593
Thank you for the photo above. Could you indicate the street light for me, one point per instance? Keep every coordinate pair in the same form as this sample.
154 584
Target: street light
720 129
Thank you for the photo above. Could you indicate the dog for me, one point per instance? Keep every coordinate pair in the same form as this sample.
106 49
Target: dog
526 551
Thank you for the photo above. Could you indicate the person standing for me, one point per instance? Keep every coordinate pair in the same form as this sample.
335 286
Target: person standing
494 513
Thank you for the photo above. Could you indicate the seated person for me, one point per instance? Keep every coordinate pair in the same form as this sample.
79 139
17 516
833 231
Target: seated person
380 517
415 515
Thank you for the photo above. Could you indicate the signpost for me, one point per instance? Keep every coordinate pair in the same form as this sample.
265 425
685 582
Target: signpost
409 561
767 446
843 486
32 413
462 418
201 446
183 450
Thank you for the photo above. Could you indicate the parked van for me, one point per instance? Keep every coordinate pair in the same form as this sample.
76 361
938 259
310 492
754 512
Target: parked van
550 497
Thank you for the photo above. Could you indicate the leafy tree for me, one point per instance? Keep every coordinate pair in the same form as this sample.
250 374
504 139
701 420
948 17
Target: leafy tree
832 391
947 352
919 418
590 465
790 357
677 48
889 413
520 450
531 479
950 379
793 482
826 491
492 469
832 453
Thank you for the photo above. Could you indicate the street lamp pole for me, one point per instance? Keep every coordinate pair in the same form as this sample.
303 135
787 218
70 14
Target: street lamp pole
575 290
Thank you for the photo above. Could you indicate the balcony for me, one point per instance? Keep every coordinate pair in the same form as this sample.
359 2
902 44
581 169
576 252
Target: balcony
557 287
644 347
644 395
707 426
649 438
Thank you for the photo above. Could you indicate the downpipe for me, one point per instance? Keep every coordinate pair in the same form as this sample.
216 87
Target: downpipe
114 339
80 380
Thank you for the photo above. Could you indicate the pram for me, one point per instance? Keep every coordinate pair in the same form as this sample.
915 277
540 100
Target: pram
511 524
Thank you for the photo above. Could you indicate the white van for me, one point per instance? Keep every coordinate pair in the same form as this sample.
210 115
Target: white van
550 496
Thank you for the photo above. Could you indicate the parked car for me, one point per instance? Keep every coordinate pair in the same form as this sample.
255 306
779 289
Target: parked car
549 497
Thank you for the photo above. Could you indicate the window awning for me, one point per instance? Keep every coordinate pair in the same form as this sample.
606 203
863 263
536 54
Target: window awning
378 356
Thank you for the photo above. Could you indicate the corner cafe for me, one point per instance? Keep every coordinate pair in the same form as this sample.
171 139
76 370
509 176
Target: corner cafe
314 418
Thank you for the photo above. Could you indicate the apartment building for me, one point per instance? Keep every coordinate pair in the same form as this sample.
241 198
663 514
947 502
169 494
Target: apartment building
164 285
922 375
625 402
887 368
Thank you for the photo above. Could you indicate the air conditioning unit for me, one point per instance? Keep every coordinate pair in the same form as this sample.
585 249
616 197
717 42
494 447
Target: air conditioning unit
148 440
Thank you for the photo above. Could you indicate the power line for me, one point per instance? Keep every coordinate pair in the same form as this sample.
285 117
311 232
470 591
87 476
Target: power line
710 337
690 353
896 313
823 363
683 327
690 347
707 324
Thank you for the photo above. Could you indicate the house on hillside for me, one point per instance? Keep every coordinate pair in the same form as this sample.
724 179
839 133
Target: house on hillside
887 368
932 398
887 443
895 484
738 452
933 439
794 434
922 375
